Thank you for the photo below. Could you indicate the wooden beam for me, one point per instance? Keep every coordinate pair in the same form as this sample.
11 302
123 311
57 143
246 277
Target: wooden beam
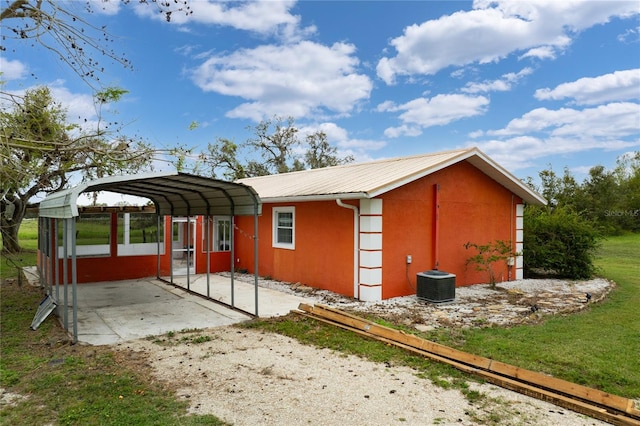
593 402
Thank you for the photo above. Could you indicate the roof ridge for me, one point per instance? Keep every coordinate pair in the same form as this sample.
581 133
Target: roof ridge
431 154
367 163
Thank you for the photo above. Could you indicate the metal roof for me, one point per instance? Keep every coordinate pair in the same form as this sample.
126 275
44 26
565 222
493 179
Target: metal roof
371 179
173 193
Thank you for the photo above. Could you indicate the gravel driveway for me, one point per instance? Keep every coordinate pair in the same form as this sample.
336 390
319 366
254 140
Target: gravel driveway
249 377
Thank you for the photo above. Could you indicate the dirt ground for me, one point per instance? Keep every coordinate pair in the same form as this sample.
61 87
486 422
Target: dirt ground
248 377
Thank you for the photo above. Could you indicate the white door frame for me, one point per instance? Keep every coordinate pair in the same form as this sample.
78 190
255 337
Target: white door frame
181 256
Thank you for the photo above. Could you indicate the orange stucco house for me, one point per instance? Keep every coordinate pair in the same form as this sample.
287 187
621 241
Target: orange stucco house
365 230
362 230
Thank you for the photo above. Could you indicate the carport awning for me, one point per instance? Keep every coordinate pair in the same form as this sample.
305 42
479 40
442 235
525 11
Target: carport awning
174 194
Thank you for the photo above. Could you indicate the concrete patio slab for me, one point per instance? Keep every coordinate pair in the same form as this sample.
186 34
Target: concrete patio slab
117 311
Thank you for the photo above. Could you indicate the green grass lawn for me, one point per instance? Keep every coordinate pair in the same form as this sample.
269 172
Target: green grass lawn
28 238
79 385
598 347
71 384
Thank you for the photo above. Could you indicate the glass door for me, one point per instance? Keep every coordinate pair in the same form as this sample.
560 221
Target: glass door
184 237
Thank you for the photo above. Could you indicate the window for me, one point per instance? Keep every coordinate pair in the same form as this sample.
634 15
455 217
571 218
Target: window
219 233
138 228
93 235
138 234
284 232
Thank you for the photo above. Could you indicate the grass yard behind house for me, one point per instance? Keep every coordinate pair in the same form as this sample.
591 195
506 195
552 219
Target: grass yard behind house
84 385
598 347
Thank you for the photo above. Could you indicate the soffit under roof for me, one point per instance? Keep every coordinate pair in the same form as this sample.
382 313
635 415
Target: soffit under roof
371 179
173 193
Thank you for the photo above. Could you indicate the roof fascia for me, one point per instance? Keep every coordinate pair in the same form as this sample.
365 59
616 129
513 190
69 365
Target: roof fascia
437 167
522 190
309 198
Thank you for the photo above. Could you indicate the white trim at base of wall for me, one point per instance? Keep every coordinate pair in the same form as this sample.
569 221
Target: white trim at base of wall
519 238
370 293
370 250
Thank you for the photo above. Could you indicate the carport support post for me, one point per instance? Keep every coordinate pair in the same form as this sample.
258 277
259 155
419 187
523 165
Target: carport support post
74 281
232 227
65 273
208 250
158 242
52 245
189 242
255 251
171 249
56 268
47 254
232 234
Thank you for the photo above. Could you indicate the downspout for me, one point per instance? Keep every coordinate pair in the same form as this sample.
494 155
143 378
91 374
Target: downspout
436 226
356 245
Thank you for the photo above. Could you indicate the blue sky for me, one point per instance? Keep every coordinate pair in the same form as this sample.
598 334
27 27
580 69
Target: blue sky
531 83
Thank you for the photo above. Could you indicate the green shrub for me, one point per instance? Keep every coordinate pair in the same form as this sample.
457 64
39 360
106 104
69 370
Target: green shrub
488 254
559 241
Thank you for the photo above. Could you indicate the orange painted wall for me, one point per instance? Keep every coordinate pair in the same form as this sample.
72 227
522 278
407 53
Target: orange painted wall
323 255
113 268
473 207
219 261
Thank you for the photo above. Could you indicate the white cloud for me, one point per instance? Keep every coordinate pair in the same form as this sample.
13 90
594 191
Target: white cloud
544 52
437 111
346 144
291 80
616 86
521 151
606 121
265 17
476 134
80 106
630 36
543 132
503 84
105 7
12 70
493 30
404 130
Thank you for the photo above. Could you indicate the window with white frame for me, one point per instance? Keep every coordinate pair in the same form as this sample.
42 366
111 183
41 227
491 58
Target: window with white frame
219 233
284 231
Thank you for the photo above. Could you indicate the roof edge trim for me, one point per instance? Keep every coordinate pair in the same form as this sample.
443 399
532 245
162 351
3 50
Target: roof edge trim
425 172
323 197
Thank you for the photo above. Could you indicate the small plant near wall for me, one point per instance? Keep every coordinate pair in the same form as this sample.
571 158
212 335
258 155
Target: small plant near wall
488 254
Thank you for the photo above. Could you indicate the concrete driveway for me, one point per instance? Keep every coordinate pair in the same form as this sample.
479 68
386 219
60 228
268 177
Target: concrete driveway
117 311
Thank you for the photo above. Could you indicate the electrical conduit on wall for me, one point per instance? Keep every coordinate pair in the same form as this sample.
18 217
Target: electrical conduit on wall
356 248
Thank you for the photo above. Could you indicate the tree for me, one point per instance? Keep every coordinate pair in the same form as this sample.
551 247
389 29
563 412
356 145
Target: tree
321 154
41 152
275 145
608 199
223 153
560 191
68 34
628 173
559 242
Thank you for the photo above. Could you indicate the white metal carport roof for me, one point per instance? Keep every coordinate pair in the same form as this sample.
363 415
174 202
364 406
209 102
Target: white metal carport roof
174 194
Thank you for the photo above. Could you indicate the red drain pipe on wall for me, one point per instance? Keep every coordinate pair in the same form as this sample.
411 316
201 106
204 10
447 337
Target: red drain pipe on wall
436 224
